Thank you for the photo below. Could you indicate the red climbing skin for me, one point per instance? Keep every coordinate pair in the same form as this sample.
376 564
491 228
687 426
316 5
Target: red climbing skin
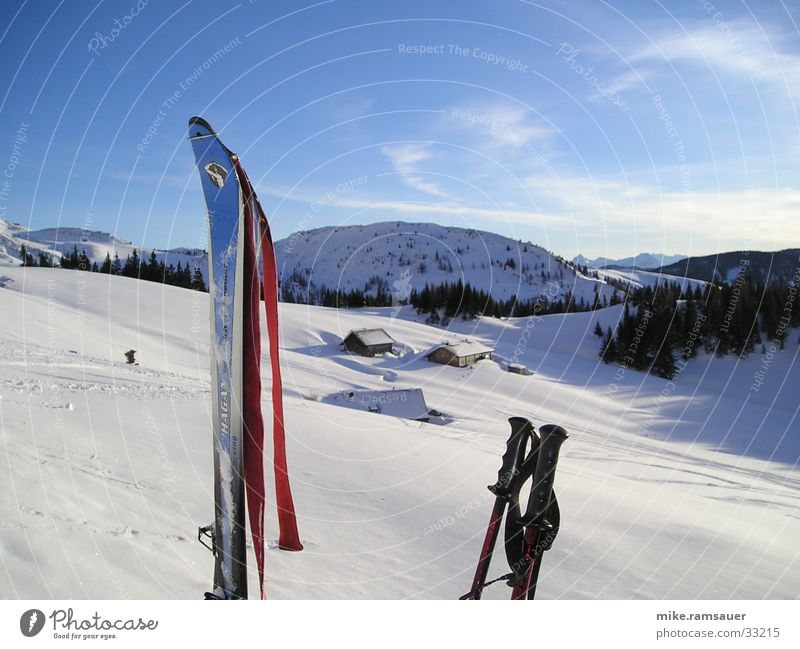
289 538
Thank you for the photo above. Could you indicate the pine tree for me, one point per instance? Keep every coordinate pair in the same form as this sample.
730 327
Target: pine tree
198 283
27 257
608 348
106 266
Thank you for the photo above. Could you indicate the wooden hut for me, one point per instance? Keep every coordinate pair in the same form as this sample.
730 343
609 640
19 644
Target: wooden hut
368 342
460 354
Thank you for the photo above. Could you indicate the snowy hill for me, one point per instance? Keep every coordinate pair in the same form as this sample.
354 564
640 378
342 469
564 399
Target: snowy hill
640 278
666 490
396 257
644 260
55 242
12 236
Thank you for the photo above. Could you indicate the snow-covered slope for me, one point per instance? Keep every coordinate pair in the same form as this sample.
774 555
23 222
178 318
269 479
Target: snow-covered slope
56 242
684 490
640 278
400 256
644 260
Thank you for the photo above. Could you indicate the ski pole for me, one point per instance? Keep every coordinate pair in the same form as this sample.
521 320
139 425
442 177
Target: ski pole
541 517
521 432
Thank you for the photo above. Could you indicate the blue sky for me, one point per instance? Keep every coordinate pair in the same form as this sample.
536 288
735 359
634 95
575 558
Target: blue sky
592 127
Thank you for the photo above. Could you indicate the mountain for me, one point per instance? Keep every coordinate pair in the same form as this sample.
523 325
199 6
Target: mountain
642 261
57 242
725 266
396 257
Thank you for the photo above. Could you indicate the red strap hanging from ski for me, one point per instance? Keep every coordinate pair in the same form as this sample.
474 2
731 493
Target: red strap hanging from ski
256 227
289 538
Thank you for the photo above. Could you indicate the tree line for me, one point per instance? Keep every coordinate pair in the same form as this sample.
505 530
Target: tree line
664 326
151 270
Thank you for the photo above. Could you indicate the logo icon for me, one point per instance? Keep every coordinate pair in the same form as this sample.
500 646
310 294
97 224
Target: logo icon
31 622
217 173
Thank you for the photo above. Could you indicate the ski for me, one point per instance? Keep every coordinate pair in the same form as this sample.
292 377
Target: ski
236 224
225 243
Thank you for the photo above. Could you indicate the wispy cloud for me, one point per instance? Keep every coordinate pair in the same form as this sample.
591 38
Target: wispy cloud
405 159
743 49
734 218
499 125
418 208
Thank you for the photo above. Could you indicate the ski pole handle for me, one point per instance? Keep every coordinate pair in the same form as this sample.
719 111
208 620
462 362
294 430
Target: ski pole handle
552 437
521 432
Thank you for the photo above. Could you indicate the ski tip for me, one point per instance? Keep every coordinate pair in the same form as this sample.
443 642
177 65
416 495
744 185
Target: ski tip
199 121
200 129
290 547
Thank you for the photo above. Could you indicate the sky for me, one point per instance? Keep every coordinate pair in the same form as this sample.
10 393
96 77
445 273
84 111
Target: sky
601 128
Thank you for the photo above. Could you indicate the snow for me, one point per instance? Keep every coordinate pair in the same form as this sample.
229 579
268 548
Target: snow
682 490
641 278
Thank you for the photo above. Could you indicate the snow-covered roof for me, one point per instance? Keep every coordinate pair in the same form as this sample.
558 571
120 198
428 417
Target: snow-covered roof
371 337
467 348
408 404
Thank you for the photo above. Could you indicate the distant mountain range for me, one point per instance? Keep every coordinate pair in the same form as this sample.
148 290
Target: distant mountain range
642 261
396 257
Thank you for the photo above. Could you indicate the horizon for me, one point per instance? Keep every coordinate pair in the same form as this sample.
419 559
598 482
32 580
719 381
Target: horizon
586 129
408 223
